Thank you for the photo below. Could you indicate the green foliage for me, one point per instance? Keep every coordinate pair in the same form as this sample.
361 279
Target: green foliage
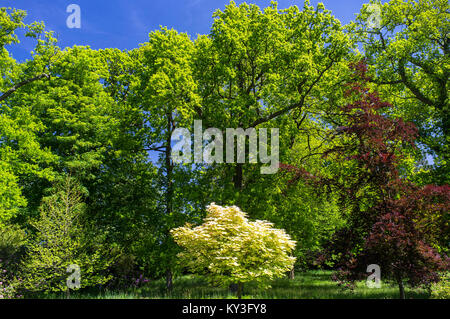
61 241
166 95
21 155
76 111
12 241
12 244
103 116
10 21
10 195
441 289
230 249
8 286
409 54
271 68
20 151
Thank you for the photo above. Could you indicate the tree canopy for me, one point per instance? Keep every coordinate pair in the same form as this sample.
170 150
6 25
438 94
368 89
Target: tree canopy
362 112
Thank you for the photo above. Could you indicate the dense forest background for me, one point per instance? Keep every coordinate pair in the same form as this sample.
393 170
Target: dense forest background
87 178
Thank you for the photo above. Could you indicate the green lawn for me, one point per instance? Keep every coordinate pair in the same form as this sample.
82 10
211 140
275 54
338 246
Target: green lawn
309 285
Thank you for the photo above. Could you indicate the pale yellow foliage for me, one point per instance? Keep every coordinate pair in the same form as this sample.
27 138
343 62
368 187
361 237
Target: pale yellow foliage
231 249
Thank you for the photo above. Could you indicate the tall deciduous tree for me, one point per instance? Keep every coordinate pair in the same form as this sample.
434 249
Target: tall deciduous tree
259 66
166 96
268 68
20 152
409 53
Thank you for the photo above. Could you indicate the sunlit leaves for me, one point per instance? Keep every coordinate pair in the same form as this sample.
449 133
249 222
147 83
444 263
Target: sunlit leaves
229 248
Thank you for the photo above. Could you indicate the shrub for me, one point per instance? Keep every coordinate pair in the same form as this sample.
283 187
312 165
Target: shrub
8 284
126 272
230 249
441 289
12 242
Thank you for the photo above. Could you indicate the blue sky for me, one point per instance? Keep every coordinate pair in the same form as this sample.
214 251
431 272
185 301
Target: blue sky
124 24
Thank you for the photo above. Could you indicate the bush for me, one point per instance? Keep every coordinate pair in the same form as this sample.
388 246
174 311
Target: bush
8 284
230 249
12 242
126 272
441 289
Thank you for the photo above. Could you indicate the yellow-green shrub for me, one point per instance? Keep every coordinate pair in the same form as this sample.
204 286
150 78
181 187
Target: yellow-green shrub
441 290
230 249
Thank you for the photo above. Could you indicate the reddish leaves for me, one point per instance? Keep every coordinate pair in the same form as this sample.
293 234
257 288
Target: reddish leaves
401 223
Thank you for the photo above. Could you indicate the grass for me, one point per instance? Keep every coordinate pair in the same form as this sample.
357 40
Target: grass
315 284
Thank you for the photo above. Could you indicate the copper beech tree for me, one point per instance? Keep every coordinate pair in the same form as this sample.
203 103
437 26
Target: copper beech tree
391 222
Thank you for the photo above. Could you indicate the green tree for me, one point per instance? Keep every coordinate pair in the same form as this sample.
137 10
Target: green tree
62 239
20 152
123 196
410 57
75 104
166 96
271 68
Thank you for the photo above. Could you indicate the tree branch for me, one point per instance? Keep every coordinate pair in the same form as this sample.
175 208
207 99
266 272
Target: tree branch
24 82
411 86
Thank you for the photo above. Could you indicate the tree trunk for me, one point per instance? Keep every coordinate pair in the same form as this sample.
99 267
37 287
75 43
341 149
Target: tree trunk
169 165
169 190
169 280
292 273
239 290
233 288
238 177
401 289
